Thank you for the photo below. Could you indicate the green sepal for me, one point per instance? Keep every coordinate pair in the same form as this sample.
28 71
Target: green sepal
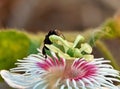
77 53
56 50
59 46
86 48
88 57
78 39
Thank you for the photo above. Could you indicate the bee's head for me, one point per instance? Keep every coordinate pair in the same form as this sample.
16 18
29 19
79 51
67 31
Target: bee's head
47 40
54 32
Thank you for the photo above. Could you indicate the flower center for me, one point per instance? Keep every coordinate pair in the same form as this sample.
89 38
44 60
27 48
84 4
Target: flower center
80 69
69 69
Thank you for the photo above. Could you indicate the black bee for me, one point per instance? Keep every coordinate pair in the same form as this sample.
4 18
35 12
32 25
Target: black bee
47 40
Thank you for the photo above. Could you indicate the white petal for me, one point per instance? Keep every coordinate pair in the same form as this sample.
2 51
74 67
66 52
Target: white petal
104 82
82 83
98 59
88 81
57 82
100 62
18 80
68 84
40 85
74 84
62 87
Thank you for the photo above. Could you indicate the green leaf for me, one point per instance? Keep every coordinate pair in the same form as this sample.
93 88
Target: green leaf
13 45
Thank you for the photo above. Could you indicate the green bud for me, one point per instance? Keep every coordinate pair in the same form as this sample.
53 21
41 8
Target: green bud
70 52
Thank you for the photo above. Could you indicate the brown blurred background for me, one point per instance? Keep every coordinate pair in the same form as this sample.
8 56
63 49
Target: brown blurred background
65 15
43 15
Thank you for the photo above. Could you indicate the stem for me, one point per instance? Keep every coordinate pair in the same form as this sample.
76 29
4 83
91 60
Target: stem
107 54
